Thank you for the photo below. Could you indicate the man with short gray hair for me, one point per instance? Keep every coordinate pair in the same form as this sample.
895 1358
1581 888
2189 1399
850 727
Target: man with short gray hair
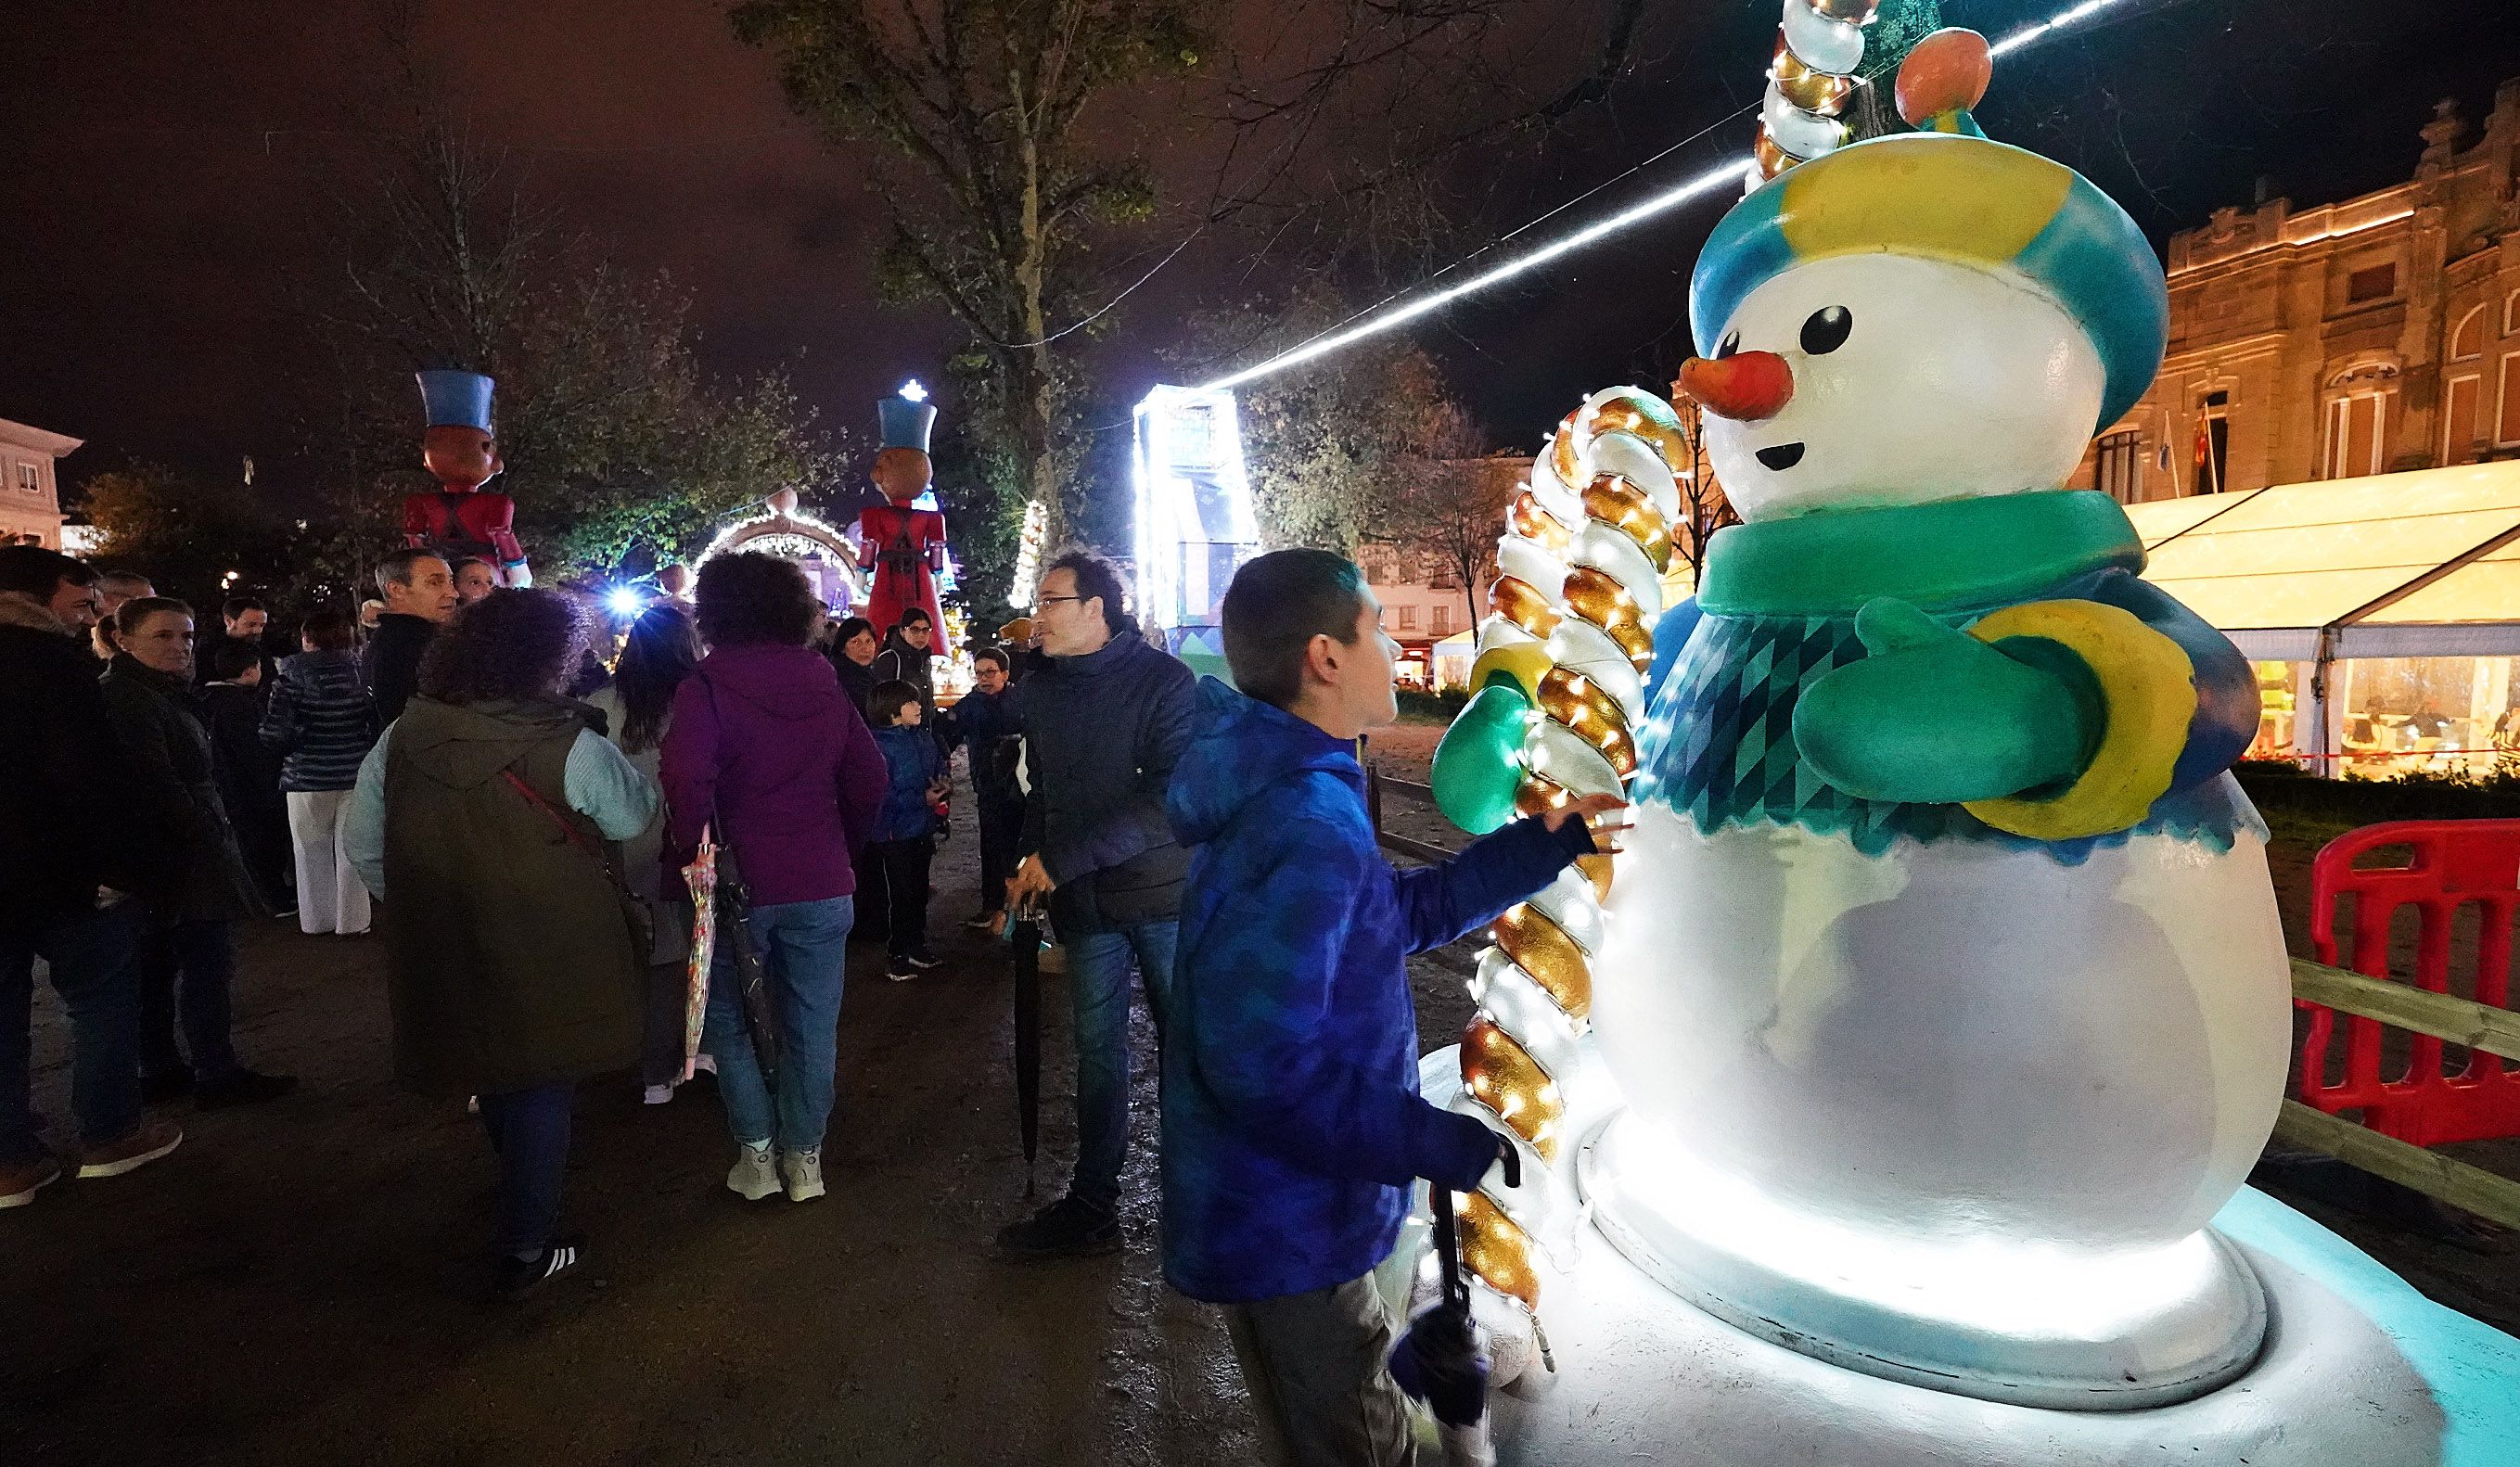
419 590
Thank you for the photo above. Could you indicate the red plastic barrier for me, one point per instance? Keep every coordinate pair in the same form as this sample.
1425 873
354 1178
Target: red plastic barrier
2455 863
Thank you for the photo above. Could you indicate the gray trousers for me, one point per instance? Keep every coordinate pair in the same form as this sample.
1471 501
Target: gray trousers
1314 1364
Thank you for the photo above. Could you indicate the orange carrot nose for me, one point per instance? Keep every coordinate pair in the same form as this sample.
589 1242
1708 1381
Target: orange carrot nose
1746 386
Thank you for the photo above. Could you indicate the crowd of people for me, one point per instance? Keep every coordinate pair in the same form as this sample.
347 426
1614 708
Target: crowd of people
1210 840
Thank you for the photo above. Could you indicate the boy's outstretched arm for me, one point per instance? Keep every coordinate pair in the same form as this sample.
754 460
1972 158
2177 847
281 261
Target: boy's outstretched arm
1444 901
1269 1046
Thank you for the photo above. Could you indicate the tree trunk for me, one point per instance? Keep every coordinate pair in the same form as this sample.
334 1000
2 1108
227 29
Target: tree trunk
1037 406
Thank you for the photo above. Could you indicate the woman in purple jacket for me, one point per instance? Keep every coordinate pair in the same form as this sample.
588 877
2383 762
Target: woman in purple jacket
764 747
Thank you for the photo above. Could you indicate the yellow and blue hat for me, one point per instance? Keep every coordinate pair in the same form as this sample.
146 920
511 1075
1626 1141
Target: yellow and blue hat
1953 194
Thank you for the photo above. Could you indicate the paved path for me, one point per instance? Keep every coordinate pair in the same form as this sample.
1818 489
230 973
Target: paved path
301 1284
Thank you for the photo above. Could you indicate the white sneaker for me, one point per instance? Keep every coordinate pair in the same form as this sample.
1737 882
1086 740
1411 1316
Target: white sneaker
704 1063
753 1175
804 1172
657 1095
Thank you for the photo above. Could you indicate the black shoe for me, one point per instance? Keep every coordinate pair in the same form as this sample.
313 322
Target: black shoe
165 1085
980 923
1066 1229
518 1277
924 958
898 970
244 1087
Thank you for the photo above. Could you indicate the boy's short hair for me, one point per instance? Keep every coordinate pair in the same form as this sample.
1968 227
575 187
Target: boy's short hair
888 700
232 659
915 616
997 656
1278 603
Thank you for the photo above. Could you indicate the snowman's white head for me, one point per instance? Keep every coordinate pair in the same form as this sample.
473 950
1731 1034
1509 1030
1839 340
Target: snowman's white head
1880 378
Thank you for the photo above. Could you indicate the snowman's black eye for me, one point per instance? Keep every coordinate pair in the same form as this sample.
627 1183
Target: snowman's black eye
1824 329
1731 343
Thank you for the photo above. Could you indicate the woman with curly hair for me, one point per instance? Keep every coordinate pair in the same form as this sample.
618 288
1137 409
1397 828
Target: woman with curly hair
765 748
514 956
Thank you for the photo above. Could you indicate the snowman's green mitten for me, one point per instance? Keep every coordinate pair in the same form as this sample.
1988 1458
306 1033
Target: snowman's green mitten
1932 714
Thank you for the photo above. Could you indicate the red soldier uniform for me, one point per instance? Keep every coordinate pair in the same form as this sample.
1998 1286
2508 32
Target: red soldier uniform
905 547
457 519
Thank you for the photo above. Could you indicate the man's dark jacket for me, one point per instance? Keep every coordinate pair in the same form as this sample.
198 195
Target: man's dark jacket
74 817
391 661
1101 734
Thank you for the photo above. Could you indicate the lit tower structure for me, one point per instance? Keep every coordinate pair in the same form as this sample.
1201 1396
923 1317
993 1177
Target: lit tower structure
1195 524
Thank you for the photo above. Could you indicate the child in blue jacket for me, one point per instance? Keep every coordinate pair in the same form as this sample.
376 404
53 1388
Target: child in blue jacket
1293 1128
904 842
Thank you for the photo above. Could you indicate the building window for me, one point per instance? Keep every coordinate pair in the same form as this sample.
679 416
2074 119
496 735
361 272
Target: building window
2459 412
2467 338
2355 435
2370 283
2120 473
2214 443
2506 416
1440 620
1409 618
29 478
2511 313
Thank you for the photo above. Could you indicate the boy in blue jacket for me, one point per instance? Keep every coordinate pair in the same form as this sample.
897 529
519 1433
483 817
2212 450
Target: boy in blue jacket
904 842
1293 1128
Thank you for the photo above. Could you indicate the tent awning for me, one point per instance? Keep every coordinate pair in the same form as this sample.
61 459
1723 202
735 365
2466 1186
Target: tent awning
2424 563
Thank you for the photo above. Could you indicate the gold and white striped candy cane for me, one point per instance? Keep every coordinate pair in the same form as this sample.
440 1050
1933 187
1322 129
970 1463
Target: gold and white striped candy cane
1580 567
1819 45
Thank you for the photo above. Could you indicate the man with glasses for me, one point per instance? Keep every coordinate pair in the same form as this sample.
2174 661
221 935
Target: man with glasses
1104 722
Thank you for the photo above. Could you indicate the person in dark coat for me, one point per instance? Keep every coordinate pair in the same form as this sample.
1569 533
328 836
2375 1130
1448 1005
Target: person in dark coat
1103 724
904 844
419 594
764 752
188 968
984 723
322 722
82 850
242 620
852 651
909 656
1292 1126
511 978
231 706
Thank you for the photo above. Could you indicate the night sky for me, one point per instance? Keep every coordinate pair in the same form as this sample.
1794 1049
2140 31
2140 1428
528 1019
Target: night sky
169 164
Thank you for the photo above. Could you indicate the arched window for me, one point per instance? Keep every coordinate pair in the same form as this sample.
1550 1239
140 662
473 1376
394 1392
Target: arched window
2467 338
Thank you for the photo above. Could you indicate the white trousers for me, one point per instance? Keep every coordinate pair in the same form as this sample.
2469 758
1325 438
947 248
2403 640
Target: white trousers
330 895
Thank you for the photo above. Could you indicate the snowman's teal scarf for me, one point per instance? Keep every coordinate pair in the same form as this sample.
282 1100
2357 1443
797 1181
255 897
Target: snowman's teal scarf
1964 551
1780 600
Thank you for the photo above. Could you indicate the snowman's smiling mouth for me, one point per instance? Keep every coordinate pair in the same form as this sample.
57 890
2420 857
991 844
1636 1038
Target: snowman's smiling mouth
1783 457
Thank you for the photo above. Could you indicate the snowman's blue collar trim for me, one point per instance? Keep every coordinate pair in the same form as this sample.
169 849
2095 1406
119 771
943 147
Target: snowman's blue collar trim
1958 552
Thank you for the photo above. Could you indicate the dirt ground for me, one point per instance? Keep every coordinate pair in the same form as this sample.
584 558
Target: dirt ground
301 1283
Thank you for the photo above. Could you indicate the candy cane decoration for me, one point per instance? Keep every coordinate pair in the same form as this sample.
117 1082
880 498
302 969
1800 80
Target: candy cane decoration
1819 45
1570 637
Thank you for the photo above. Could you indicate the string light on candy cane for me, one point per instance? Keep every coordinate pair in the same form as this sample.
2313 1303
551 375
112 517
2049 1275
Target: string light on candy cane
1819 45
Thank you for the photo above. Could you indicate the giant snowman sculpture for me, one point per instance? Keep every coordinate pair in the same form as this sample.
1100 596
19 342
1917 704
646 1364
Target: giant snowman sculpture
1939 1002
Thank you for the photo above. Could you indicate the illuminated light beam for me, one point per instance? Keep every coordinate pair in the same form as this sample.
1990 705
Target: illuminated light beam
1721 176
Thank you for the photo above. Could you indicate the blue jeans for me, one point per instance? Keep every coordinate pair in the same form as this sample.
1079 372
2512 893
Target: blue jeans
1097 989
187 975
529 1131
804 947
94 958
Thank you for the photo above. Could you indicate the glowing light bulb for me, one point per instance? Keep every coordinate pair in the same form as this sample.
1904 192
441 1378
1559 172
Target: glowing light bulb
911 391
625 600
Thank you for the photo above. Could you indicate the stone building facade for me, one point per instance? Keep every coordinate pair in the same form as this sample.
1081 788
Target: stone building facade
30 499
2372 335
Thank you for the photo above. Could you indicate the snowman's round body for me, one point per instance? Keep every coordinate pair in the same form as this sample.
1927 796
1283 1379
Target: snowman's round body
1906 1090
1929 1099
